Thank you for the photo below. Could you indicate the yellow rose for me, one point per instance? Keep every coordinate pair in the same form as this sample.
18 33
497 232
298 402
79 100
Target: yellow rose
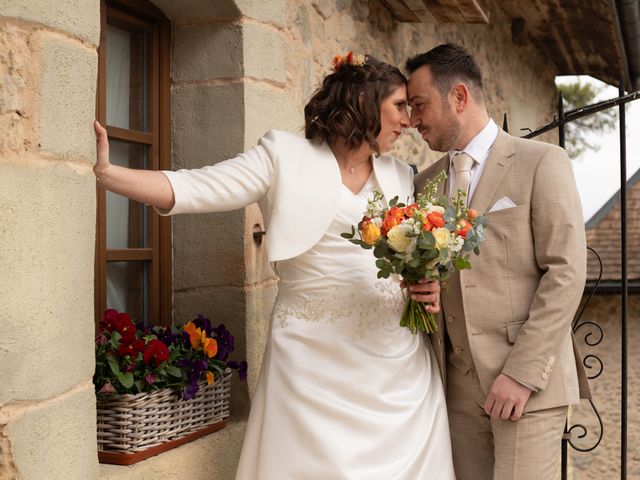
397 239
442 236
370 233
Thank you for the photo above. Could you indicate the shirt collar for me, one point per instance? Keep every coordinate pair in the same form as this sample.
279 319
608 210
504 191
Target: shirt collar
479 146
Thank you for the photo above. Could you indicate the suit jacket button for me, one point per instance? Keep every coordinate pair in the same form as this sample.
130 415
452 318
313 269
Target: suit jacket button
450 318
457 349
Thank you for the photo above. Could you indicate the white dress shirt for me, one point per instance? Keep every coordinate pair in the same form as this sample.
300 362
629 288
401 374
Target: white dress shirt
478 149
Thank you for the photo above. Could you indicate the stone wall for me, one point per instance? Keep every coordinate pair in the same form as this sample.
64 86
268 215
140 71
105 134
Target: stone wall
48 67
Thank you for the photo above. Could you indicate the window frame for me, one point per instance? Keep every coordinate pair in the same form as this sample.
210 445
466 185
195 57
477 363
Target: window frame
143 15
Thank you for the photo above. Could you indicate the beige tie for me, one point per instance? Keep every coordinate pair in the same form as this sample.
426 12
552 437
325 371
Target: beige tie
462 164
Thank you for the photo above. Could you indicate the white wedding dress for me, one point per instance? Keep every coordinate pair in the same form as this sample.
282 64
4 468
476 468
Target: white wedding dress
344 392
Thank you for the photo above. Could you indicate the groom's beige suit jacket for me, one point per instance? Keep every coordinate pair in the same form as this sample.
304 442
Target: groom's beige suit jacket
513 310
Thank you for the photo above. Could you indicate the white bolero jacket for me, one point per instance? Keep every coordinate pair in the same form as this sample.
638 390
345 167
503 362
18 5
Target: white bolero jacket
295 181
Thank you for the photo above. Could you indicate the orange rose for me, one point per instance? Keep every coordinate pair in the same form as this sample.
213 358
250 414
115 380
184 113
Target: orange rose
426 225
409 210
388 223
370 233
436 219
472 213
463 228
395 212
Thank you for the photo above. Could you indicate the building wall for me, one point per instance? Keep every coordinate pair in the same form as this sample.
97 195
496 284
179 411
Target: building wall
48 74
239 68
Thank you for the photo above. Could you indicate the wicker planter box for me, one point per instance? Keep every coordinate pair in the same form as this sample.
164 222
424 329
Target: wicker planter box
134 427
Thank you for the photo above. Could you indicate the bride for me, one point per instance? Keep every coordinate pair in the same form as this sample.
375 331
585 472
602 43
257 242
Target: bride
344 392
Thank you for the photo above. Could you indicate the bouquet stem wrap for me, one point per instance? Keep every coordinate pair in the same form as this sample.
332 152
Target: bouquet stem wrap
416 318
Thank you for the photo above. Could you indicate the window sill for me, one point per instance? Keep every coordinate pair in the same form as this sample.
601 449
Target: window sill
213 457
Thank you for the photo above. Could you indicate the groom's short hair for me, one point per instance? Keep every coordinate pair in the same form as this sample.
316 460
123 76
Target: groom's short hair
449 63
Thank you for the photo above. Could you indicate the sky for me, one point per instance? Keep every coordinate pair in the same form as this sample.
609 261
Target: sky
598 172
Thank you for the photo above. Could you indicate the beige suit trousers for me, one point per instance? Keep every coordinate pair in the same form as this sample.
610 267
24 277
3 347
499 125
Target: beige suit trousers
488 449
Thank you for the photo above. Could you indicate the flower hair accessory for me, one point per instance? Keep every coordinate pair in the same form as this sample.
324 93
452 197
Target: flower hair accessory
348 59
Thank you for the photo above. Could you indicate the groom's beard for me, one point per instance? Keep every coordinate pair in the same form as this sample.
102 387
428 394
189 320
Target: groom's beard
445 139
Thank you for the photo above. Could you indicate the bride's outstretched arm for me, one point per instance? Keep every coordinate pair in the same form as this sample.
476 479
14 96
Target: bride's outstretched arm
144 186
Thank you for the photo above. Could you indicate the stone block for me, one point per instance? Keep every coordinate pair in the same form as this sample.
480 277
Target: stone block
198 9
214 457
47 238
221 305
56 440
80 18
207 51
263 53
207 124
66 97
268 108
208 250
273 11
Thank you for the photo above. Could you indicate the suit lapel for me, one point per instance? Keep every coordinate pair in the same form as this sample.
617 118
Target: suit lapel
500 158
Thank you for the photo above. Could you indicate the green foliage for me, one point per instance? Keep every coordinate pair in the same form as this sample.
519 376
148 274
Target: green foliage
579 134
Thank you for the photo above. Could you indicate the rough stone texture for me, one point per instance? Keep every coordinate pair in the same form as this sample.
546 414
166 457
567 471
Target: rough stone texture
604 461
77 17
214 457
8 469
268 108
66 98
203 52
17 95
207 123
56 440
206 250
273 11
263 52
47 257
197 9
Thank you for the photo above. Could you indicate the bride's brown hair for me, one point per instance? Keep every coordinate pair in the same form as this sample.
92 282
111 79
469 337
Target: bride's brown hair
346 107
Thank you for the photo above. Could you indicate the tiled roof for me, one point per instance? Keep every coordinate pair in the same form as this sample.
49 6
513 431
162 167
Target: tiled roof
603 235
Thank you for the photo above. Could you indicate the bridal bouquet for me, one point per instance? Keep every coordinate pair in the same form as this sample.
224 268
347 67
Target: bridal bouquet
424 240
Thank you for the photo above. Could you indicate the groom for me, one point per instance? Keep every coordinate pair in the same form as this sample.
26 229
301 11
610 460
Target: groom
505 344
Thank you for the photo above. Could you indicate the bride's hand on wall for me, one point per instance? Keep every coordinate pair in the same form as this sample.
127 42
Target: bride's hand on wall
145 186
102 150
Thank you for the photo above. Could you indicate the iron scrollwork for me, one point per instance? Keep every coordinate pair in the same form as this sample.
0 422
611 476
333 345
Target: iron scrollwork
592 337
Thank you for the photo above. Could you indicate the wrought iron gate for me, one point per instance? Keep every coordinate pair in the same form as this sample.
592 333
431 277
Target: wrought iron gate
593 333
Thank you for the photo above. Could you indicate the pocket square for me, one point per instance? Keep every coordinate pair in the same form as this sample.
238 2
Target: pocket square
502 204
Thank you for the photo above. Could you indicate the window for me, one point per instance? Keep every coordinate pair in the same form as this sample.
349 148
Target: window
133 243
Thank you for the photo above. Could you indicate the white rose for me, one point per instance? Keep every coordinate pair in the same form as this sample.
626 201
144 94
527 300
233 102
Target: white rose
397 238
442 236
435 208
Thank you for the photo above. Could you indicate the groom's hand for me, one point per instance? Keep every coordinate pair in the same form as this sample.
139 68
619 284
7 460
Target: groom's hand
506 399
427 292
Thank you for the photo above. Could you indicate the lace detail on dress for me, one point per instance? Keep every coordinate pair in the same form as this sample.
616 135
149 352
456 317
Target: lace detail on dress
347 307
